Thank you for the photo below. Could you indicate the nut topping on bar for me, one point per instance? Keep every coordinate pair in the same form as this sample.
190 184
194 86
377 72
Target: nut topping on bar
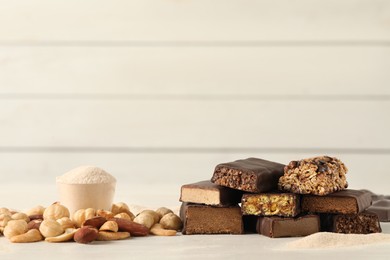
318 175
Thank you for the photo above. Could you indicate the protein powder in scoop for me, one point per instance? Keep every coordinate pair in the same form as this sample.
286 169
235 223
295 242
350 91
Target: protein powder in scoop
86 187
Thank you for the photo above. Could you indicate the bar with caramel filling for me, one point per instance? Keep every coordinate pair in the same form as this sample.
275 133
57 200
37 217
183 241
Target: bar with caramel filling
270 204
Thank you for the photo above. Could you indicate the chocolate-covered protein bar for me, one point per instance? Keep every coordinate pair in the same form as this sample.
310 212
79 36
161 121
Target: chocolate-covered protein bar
361 223
204 219
288 227
318 175
341 202
381 208
252 175
206 192
271 204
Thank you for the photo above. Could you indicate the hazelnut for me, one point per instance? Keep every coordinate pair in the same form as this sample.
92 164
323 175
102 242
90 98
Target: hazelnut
15 227
50 228
55 211
171 221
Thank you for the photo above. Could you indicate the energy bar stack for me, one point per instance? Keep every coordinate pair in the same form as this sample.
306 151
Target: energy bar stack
298 199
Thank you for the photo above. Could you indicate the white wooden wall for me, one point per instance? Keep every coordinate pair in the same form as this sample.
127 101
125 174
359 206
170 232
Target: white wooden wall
164 90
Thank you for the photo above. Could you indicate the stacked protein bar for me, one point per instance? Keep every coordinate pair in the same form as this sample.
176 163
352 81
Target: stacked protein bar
299 199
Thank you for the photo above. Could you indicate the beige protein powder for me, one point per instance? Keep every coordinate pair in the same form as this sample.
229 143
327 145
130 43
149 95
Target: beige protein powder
327 240
86 187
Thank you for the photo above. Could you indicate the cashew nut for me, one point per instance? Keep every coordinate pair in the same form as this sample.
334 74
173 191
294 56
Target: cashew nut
108 236
67 236
109 226
158 230
33 235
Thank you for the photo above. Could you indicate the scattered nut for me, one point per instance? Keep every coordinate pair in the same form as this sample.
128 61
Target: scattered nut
171 221
50 228
37 210
122 207
85 235
67 236
66 222
55 211
5 211
146 219
109 226
95 222
163 211
108 236
15 227
82 215
33 217
133 228
123 215
4 218
34 224
153 213
158 230
22 216
33 235
104 213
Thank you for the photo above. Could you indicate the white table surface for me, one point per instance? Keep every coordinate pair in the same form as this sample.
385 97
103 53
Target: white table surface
250 246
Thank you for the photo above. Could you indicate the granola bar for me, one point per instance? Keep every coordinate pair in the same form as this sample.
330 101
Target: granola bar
318 176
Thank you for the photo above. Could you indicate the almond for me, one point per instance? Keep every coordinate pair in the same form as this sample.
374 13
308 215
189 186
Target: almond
34 224
133 228
85 235
95 222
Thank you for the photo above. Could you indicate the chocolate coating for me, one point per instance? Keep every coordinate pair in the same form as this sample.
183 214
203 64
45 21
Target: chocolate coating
361 223
382 209
252 175
288 227
340 202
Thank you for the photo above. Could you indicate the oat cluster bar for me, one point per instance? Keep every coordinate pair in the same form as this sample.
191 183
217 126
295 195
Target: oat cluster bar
318 175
